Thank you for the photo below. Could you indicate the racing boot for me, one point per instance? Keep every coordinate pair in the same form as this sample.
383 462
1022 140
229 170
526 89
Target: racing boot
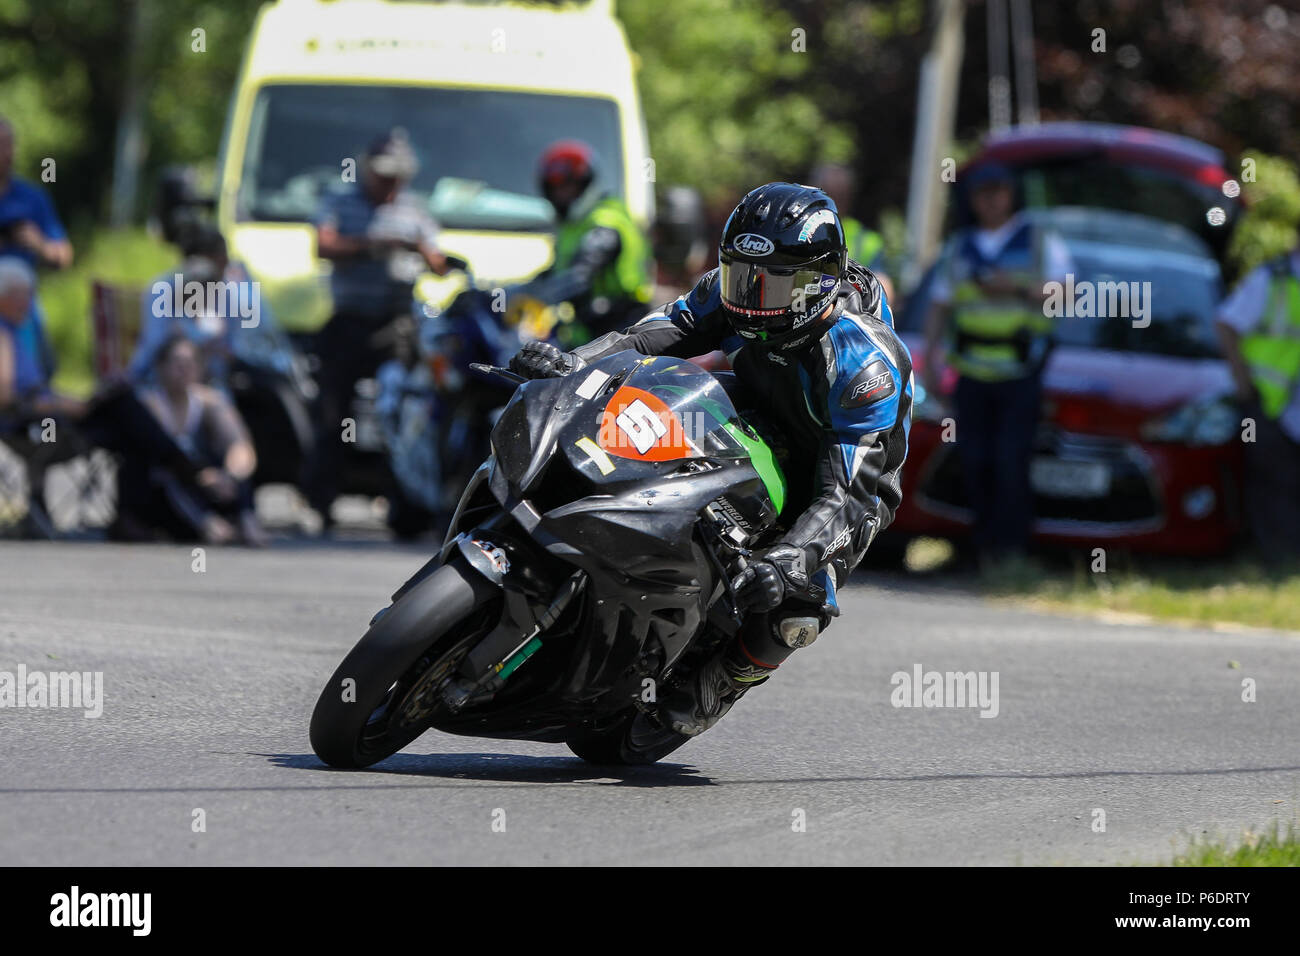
709 693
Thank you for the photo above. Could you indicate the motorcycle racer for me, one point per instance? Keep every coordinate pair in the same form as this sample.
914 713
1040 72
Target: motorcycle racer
817 363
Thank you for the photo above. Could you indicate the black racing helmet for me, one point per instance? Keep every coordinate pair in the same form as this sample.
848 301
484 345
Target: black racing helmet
780 260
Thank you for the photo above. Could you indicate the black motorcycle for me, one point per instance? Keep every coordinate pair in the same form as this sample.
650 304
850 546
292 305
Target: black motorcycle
586 572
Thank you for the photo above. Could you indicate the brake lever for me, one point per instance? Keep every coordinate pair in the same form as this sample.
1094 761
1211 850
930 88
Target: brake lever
739 566
505 373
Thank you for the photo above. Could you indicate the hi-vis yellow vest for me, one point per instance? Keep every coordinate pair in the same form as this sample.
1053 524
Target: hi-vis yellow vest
864 244
996 335
1272 350
628 276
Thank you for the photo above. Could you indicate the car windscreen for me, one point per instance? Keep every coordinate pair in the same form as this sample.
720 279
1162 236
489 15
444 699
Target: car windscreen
1182 297
1130 188
477 149
1177 296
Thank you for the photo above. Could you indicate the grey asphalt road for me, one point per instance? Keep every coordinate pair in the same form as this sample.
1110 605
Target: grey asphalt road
209 680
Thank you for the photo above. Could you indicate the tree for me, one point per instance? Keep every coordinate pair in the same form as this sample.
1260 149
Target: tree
727 102
63 76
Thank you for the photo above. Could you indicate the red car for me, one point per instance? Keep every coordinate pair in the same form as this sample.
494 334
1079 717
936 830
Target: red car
1139 445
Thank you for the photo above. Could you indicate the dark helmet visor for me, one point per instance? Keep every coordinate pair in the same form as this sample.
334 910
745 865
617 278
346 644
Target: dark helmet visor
763 292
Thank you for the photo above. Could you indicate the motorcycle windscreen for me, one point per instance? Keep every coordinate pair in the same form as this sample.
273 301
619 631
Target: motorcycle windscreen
668 409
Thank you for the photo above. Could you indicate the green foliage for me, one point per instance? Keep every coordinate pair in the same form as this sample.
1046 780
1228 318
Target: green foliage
893 232
65 68
961 150
1275 847
187 112
729 100
128 257
1200 592
721 86
1269 227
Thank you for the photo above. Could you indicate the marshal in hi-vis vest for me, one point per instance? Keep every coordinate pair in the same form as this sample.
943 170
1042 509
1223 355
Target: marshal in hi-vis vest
998 338
627 278
864 245
1272 350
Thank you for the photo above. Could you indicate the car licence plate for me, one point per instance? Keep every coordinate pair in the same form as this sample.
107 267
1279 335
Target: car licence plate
1069 479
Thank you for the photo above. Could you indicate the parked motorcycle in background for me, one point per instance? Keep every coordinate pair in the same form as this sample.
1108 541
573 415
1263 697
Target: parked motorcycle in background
436 409
272 386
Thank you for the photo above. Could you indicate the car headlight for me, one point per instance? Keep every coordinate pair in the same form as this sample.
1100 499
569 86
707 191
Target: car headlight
1210 422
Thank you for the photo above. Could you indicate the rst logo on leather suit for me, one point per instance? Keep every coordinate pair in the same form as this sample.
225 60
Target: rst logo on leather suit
872 384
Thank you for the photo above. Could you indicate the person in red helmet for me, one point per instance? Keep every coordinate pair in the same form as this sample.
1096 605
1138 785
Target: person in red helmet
602 258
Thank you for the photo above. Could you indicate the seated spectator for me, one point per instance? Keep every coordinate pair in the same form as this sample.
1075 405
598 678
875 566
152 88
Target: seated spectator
24 372
113 418
217 506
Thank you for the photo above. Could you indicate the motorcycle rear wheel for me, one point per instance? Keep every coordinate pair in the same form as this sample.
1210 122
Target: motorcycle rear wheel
633 739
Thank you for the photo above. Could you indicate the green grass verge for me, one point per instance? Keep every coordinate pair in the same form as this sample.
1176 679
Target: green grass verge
127 257
1197 591
1277 847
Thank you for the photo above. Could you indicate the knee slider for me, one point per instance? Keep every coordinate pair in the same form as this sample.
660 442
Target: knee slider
796 632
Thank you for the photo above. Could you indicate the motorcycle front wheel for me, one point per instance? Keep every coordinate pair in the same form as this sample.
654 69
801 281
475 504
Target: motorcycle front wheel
385 693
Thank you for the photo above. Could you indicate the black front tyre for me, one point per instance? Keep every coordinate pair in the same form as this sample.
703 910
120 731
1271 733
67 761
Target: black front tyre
632 739
384 693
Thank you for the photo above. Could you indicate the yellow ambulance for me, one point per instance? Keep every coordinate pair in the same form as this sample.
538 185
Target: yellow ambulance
481 89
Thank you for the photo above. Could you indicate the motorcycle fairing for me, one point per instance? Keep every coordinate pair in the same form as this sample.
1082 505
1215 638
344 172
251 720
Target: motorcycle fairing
632 527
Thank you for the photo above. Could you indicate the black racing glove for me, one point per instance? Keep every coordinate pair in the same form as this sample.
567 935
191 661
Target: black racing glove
543 360
769 581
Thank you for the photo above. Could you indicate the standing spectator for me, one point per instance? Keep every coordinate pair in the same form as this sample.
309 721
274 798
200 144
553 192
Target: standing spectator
29 227
1259 329
990 292
680 242
866 247
379 238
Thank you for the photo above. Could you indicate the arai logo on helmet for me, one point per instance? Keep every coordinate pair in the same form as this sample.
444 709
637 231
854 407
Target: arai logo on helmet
752 244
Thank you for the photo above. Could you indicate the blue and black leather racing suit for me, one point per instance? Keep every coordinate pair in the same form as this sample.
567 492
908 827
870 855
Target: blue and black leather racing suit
836 404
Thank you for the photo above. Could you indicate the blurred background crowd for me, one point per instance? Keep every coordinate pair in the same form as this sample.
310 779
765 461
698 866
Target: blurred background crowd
368 196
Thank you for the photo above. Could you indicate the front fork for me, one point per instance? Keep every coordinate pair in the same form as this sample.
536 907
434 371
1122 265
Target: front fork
516 638
531 605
